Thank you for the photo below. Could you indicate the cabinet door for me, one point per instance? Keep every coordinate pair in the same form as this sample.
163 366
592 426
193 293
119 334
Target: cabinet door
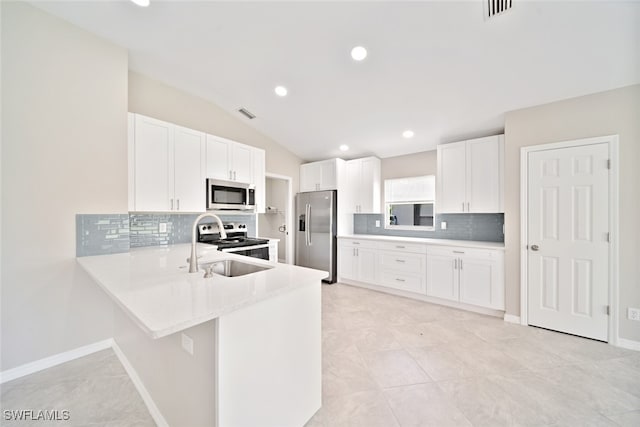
442 276
309 177
369 185
451 182
328 175
218 155
241 165
259 179
484 175
481 283
367 265
153 141
346 262
353 169
190 190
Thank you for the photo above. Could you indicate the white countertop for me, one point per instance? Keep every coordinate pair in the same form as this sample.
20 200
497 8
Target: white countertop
153 285
442 242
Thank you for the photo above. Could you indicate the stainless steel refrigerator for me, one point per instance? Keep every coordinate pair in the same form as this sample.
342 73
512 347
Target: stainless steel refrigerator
316 231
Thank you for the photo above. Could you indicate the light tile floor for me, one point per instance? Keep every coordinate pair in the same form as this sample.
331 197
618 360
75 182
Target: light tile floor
95 389
392 361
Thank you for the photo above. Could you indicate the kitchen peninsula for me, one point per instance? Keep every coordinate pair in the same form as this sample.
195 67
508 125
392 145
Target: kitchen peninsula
238 351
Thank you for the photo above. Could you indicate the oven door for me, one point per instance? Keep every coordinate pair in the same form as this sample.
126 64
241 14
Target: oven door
257 251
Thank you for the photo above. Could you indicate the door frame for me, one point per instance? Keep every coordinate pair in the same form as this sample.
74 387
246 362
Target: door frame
612 141
289 249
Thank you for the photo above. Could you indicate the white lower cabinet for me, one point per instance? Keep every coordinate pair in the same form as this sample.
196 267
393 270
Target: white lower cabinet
470 276
357 260
459 274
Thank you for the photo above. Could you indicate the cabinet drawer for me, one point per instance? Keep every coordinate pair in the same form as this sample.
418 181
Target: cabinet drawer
460 252
405 282
356 243
403 262
416 248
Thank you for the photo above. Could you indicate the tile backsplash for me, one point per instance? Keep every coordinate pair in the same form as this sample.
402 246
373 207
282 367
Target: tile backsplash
100 234
477 227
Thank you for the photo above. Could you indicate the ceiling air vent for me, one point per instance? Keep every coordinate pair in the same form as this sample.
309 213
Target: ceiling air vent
496 7
247 113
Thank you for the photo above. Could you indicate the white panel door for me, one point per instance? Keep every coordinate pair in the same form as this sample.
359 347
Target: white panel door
153 141
367 265
190 189
451 196
242 163
484 170
442 275
568 224
218 155
353 173
346 262
309 177
328 175
480 282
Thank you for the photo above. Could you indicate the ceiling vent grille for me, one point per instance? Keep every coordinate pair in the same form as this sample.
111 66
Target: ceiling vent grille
496 7
247 113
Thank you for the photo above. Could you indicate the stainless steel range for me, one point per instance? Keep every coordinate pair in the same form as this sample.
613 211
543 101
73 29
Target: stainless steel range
236 242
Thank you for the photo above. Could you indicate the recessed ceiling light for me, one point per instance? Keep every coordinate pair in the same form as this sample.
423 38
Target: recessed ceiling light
344 147
358 53
407 134
281 91
141 3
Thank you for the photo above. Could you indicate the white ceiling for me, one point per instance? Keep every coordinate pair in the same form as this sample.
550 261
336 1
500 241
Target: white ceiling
437 68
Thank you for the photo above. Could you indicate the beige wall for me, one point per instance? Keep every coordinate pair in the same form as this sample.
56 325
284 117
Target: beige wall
607 113
158 100
416 164
64 134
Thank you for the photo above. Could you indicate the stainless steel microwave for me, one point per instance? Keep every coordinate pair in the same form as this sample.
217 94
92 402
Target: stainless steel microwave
230 195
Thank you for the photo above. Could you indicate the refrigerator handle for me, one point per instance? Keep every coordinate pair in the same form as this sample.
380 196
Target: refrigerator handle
309 225
306 224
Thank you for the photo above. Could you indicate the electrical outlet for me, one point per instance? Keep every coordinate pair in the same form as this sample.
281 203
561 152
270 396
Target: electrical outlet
187 343
443 225
162 227
633 313
377 223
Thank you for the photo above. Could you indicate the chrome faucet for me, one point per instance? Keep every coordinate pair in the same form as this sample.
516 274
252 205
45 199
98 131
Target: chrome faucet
193 260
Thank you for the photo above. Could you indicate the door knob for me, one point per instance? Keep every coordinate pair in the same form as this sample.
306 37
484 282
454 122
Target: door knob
534 247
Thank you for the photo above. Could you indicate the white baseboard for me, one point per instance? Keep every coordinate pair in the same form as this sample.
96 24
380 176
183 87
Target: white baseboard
51 361
137 382
629 344
510 318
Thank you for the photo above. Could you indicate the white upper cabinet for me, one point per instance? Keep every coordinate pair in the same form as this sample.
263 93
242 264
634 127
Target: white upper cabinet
167 166
363 185
258 157
229 160
319 176
189 167
152 160
470 176
413 189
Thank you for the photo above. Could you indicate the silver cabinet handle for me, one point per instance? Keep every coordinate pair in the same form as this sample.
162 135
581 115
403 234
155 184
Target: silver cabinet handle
354 251
458 252
460 264
400 247
455 264
400 260
357 252
462 206
356 243
178 203
171 204
535 248
468 207
230 175
399 280
234 175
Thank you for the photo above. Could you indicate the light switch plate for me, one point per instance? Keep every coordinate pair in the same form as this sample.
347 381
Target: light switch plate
443 225
187 343
377 223
162 227
633 313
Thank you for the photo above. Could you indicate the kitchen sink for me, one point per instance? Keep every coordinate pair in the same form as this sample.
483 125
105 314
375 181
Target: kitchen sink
232 268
